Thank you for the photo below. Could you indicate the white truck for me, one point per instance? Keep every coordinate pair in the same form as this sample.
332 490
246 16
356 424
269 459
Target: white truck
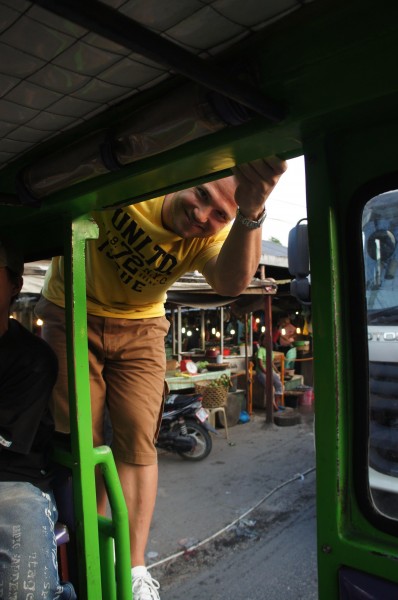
380 241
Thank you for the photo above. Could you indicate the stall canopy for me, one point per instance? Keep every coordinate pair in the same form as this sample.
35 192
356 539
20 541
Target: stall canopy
192 290
34 273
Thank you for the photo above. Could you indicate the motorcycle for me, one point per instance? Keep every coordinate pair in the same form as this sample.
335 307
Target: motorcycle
185 428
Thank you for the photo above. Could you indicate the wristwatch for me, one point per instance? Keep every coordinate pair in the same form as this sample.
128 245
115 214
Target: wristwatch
248 222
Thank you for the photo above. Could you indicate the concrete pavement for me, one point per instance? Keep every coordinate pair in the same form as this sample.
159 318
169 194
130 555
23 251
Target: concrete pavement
197 501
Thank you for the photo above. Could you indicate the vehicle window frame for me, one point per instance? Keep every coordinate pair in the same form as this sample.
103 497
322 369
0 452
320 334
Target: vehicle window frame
358 341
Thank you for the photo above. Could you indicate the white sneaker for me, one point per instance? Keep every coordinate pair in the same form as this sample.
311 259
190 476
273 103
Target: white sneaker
144 587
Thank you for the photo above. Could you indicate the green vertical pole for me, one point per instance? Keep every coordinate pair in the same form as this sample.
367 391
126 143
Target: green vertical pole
88 559
115 570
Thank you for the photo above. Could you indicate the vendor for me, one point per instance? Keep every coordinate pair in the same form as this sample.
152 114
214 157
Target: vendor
285 335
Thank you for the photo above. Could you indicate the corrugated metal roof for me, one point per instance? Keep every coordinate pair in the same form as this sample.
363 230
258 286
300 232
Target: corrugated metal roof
193 290
273 255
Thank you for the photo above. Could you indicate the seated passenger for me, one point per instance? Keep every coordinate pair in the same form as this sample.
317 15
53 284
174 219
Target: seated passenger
261 372
28 370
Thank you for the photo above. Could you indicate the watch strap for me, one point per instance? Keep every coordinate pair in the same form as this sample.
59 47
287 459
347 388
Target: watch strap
249 223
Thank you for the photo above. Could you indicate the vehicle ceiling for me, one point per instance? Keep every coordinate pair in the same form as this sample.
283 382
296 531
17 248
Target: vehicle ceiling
56 74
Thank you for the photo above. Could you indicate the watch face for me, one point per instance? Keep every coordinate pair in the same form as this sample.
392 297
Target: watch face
262 219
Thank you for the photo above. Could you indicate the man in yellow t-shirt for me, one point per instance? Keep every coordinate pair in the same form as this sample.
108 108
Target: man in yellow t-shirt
141 251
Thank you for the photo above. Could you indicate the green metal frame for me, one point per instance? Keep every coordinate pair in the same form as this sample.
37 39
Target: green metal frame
103 544
332 66
337 167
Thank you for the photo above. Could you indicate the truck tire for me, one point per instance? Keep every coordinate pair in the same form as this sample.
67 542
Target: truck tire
287 417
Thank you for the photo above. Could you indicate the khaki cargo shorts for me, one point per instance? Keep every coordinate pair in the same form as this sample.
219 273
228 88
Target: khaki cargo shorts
127 365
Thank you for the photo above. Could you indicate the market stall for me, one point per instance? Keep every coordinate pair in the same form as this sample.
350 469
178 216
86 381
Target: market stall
192 291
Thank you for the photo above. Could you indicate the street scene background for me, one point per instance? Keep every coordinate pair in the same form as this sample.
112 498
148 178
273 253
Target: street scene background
240 524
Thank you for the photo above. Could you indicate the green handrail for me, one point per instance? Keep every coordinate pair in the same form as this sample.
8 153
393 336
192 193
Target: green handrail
103 545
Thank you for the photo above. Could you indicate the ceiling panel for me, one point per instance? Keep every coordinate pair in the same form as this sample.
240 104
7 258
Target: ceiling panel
55 74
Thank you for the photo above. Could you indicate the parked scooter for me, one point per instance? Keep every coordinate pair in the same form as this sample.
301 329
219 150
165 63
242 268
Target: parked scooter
185 428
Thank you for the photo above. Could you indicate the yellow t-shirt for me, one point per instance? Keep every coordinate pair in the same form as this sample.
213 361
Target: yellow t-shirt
133 262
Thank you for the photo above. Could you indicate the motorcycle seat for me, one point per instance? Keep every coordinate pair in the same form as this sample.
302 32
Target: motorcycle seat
180 400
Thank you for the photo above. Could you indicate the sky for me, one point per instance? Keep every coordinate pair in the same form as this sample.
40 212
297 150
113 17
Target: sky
286 205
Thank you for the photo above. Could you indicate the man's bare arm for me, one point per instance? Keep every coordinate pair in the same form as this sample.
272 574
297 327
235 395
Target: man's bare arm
232 270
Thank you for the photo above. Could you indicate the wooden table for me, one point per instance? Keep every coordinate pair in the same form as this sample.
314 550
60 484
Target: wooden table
183 382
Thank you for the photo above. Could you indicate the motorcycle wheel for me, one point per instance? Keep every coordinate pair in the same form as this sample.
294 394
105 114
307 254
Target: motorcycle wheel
203 442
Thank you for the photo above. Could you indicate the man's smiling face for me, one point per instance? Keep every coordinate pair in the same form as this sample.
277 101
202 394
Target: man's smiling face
201 211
